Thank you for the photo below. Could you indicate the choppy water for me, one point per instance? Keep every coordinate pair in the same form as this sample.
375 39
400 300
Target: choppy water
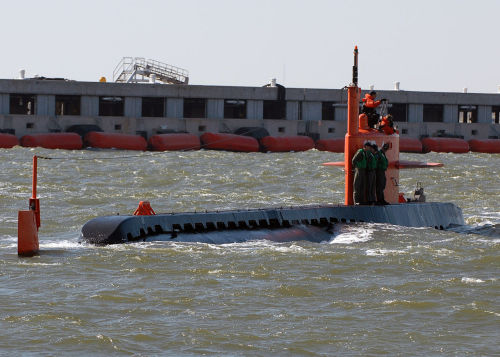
372 290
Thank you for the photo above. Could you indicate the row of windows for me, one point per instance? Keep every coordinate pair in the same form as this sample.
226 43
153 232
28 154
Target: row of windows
233 108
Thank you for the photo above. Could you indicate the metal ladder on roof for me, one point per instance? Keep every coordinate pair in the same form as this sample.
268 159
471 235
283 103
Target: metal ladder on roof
142 70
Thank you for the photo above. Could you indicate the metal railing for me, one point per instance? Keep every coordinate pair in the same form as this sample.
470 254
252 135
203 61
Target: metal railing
139 69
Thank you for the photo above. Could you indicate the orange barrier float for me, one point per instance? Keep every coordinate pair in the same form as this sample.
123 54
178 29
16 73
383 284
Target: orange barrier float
410 145
68 141
8 141
332 145
229 142
102 140
286 143
489 146
164 142
454 145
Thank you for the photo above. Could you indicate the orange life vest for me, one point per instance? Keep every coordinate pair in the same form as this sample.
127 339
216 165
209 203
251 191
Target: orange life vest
370 102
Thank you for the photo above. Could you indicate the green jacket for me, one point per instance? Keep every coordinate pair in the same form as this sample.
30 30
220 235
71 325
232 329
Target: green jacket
359 159
371 161
382 162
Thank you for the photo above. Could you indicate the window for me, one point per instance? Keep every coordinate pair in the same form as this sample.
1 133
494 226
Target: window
195 108
111 106
235 109
68 104
327 111
274 109
433 113
22 104
467 114
399 111
495 114
153 107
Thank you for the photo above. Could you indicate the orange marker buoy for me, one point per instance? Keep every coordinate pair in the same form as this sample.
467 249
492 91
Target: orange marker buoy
28 222
144 209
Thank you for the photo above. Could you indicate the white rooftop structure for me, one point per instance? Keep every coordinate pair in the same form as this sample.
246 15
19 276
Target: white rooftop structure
142 70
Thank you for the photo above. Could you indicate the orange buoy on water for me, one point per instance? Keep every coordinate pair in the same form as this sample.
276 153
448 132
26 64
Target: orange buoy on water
454 145
286 143
67 141
332 145
8 141
490 146
28 221
102 140
229 142
164 142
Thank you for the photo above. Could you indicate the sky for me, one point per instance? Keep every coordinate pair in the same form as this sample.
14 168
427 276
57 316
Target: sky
426 45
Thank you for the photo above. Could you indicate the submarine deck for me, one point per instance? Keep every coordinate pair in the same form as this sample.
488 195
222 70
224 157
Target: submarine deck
122 229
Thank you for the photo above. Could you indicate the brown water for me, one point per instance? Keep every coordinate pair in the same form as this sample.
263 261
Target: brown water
372 290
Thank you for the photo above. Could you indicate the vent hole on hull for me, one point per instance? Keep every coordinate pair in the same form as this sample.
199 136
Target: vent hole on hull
199 227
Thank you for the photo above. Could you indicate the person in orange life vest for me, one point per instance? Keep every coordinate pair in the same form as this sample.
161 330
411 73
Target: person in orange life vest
387 125
369 106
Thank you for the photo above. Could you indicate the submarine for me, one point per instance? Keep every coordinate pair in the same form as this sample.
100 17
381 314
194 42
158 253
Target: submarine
313 223
280 224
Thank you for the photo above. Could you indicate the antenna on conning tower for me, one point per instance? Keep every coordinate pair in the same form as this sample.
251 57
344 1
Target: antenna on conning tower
355 67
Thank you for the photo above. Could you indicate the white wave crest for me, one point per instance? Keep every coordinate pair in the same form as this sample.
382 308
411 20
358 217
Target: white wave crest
381 252
353 234
471 280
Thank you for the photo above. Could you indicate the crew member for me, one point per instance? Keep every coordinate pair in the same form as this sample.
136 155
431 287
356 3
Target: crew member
371 168
382 164
359 162
369 106
387 125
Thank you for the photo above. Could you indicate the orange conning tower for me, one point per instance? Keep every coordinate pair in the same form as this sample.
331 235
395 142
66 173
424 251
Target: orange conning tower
357 133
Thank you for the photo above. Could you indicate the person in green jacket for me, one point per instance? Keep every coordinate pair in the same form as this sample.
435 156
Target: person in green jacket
382 164
359 162
371 168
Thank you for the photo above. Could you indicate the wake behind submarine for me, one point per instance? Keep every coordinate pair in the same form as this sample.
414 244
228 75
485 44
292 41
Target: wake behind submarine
313 223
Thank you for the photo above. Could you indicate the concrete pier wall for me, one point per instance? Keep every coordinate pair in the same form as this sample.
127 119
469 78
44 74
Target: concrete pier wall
418 113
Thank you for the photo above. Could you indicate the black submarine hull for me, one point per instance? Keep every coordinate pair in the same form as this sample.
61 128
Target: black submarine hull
310 223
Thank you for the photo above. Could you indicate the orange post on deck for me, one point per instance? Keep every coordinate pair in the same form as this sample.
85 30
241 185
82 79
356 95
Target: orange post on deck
144 209
28 221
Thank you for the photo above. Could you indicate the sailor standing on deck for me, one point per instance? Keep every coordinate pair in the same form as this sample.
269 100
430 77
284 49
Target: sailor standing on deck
359 162
382 164
371 168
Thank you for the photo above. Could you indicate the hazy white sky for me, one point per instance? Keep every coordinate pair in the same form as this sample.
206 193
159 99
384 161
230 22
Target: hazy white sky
428 45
